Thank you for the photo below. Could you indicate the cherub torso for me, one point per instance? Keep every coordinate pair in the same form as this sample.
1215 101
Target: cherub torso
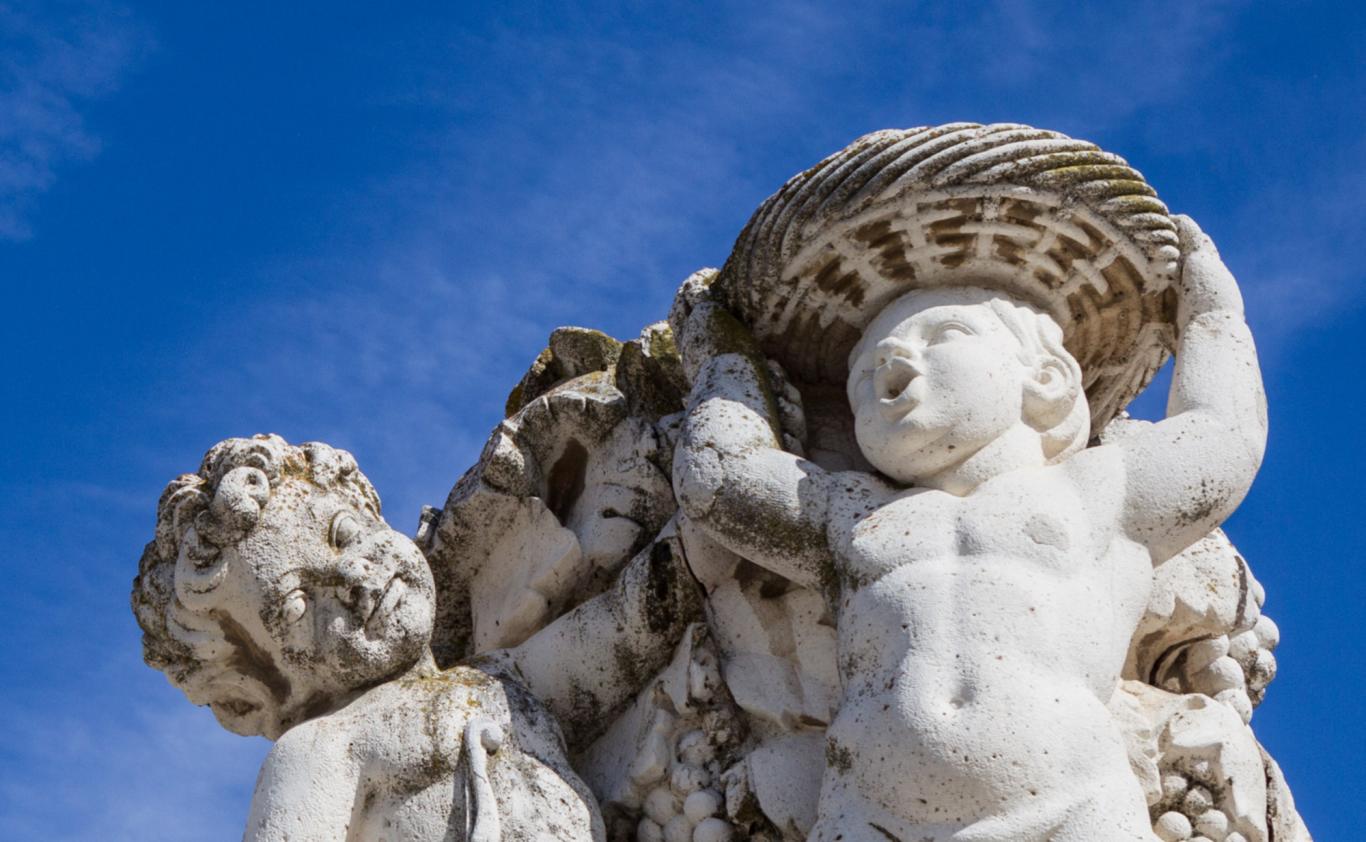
408 738
979 637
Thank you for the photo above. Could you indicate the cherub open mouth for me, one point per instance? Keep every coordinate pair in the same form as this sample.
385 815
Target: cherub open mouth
891 383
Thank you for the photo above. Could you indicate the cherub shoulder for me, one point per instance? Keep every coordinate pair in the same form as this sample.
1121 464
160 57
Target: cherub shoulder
325 743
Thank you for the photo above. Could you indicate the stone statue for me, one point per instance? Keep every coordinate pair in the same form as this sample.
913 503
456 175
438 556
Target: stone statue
276 594
996 293
986 594
858 545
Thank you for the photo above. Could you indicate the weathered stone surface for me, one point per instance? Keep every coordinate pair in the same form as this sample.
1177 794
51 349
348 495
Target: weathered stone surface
568 488
1052 220
858 545
276 594
985 569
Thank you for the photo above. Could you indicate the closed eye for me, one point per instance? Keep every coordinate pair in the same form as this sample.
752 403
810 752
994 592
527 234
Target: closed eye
951 330
296 605
344 530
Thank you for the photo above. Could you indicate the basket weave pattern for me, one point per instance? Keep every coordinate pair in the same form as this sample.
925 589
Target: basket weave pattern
1052 220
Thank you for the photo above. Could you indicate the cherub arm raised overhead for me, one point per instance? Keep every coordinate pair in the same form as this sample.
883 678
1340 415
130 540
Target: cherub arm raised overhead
731 474
1187 473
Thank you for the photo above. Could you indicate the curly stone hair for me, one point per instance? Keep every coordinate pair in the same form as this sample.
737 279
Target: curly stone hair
201 513
1039 335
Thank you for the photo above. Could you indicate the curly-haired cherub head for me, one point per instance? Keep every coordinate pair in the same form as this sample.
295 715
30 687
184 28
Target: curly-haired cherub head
273 587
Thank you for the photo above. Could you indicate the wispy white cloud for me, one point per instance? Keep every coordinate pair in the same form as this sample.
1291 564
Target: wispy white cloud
1299 256
1079 67
159 771
51 64
585 209
1291 226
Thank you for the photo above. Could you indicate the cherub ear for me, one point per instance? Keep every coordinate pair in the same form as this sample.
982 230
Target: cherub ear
1050 391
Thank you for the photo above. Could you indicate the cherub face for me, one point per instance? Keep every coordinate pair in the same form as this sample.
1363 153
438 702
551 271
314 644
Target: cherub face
319 599
936 377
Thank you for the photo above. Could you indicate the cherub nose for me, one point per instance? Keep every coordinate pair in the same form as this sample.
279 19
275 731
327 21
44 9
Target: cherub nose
357 590
361 599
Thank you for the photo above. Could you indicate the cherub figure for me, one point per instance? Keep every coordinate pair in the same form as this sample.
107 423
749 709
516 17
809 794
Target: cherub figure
987 580
276 594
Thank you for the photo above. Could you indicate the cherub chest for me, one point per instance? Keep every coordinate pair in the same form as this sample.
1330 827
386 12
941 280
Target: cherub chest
903 531
1042 525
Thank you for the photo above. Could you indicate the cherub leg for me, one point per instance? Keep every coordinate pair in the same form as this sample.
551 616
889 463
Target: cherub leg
1107 811
1121 819
1112 811
846 816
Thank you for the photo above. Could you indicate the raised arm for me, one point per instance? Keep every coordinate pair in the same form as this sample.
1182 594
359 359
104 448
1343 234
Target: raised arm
307 788
1187 473
731 475
591 660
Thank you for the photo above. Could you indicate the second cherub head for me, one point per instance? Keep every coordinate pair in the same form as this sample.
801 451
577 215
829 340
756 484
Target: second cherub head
274 589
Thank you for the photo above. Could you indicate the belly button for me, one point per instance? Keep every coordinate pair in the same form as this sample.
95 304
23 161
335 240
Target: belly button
964 696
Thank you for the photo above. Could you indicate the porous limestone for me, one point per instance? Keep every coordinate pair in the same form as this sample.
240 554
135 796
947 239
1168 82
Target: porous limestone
858 545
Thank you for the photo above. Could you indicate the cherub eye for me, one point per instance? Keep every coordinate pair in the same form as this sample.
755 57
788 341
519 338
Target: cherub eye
345 529
952 330
296 605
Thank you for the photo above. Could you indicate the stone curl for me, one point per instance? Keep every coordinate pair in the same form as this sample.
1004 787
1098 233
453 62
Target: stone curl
201 513
1040 336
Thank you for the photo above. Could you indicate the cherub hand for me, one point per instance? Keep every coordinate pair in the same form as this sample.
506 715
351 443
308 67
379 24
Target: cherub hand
1206 284
791 411
704 329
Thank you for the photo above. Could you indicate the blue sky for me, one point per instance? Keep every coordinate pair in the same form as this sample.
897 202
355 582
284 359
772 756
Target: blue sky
359 225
